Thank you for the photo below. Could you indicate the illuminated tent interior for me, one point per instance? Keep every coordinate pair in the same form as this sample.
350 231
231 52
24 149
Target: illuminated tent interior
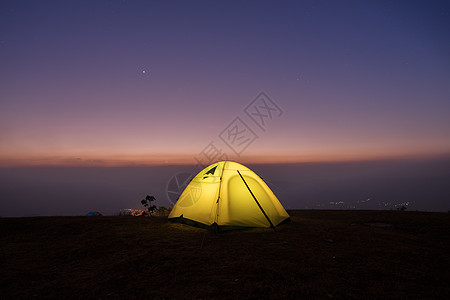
227 195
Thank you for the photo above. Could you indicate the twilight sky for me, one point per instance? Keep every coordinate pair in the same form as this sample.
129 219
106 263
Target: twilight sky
101 83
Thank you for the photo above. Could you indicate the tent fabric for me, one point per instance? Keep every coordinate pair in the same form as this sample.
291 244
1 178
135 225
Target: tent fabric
227 195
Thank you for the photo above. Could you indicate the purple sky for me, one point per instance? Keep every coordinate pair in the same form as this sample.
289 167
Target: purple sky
142 82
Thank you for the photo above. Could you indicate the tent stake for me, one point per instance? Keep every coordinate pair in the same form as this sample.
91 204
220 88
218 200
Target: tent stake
259 205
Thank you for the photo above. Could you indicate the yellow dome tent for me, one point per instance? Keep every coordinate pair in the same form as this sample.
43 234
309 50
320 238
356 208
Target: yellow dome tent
227 195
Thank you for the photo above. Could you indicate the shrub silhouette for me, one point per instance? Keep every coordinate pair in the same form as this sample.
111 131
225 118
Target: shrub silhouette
147 203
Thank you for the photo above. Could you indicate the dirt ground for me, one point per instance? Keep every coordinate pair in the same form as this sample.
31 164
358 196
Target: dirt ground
318 255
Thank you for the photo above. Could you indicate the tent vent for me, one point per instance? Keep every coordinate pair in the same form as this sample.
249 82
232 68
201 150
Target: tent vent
211 171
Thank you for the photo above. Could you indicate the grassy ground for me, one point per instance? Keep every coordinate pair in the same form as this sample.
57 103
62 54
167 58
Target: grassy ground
319 255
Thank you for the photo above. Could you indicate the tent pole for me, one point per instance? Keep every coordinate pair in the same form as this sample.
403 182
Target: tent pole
216 218
259 205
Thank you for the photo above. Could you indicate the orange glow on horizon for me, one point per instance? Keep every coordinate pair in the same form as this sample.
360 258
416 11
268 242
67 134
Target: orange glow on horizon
136 160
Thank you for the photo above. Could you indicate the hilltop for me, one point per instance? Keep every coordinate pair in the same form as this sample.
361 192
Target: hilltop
320 254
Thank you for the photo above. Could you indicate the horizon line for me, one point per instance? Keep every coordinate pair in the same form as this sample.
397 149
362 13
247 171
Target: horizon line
179 160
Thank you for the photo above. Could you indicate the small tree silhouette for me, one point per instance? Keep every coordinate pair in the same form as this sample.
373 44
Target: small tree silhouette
147 202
